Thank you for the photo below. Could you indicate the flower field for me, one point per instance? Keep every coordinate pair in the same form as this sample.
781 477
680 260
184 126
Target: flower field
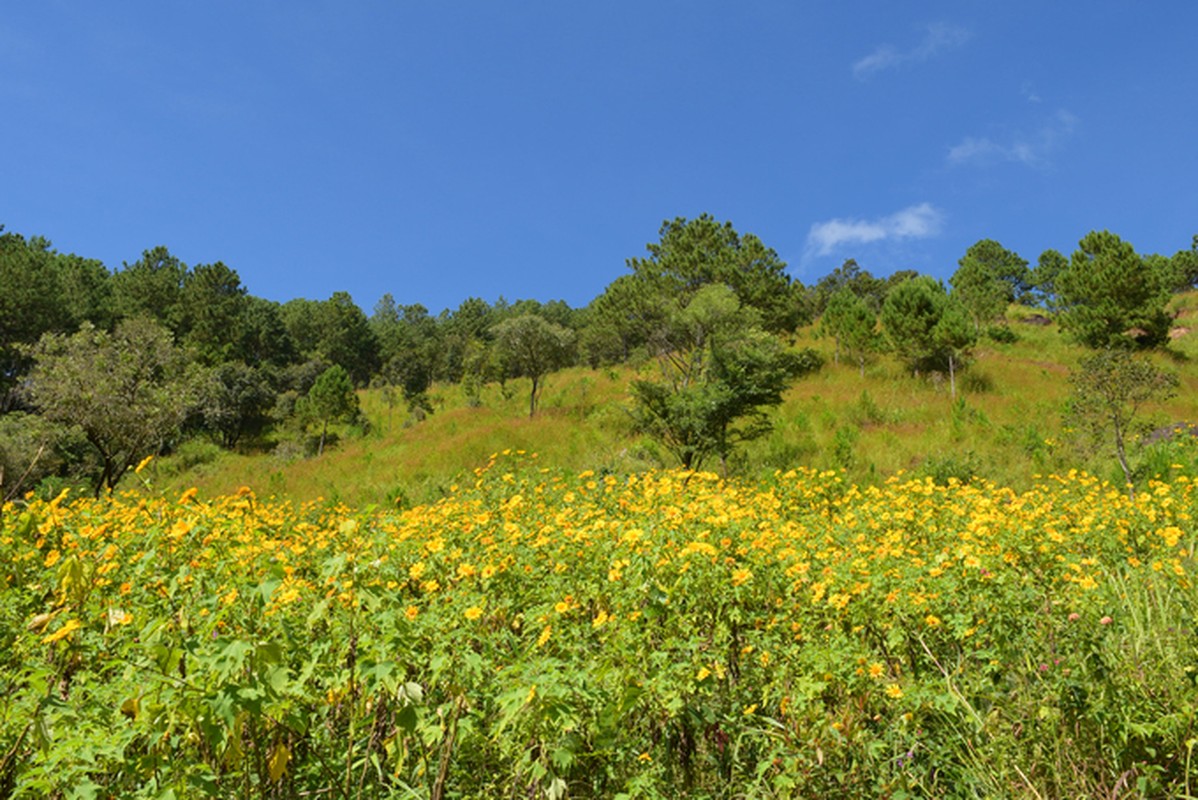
667 634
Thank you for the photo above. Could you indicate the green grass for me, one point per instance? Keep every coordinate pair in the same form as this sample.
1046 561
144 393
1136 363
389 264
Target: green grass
1006 425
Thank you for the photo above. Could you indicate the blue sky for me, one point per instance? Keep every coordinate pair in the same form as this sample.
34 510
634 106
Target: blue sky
441 150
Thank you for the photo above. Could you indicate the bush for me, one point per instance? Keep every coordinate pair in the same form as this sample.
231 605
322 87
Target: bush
193 453
32 449
962 467
1002 334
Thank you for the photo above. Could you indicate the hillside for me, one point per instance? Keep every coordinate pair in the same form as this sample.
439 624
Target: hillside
1006 426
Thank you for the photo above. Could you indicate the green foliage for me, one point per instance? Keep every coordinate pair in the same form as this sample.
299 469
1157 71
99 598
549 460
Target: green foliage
331 399
129 391
959 468
1183 268
953 338
43 292
532 347
910 314
236 400
1044 277
151 287
408 349
539 634
988 279
32 448
717 377
844 444
1002 334
621 320
927 328
1109 296
1109 389
334 331
212 306
695 253
857 281
853 323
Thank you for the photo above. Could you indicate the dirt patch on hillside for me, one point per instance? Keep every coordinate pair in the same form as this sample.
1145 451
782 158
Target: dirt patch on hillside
1178 332
1036 319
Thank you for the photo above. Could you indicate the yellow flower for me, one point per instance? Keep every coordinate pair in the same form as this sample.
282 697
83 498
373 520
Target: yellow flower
702 674
894 691
931 620
545 634
600 619
69 627
473 613
876 670
52 558
288 595
142 464
644 757
411 612
741 576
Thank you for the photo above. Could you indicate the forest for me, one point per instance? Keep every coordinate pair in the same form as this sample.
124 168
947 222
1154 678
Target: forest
100 368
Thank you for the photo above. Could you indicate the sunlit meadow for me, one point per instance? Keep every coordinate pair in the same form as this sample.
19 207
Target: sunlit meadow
661 635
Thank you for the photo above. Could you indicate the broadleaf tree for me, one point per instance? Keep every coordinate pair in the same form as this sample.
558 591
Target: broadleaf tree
129 390
530 346
1109 389
717 379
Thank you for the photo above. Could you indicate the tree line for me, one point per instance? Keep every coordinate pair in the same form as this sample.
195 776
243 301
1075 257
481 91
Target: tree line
100 368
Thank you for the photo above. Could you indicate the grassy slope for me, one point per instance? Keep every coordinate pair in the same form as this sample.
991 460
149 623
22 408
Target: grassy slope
1007 428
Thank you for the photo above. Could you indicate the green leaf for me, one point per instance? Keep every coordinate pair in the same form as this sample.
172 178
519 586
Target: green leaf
406 719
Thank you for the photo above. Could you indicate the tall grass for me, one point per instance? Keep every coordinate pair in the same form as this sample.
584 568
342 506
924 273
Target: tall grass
1006 426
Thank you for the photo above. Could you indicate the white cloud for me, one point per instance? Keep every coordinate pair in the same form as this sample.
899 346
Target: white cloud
937 39
914 222
1030 150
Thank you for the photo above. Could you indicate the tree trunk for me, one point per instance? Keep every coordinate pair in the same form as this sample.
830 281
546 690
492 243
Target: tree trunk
323 432
1121 453
952 377
532 399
